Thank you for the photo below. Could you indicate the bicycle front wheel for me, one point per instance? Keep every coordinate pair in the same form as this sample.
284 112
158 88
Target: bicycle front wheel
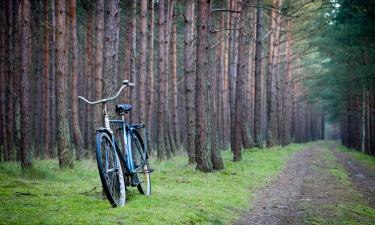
140 164
110 170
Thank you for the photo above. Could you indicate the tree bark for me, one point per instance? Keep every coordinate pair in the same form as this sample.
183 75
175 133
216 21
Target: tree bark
46 100
233 61
10 80
203 132
271 78
133 60
161 153
143 64
64 150
219 96
89 80
258 139
174 97
189 71
240 121
99 60
4 143
150 78
77 137
110 50
53 82
25 84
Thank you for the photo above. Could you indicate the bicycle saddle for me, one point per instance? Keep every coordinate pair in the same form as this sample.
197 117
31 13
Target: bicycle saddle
123 108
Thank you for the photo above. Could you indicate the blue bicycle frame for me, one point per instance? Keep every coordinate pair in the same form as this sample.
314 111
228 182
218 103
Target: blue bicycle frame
126 143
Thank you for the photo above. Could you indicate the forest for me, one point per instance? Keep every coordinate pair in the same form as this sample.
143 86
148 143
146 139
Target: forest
214 82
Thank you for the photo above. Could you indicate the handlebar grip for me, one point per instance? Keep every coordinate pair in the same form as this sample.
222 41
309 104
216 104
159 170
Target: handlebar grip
132 84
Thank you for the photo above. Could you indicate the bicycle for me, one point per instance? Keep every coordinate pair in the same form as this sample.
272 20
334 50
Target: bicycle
119 169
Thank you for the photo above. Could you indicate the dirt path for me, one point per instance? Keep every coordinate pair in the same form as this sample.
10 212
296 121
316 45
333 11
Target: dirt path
362 175
314 188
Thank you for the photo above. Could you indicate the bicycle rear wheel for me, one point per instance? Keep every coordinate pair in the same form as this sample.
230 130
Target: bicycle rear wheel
110 170
140 164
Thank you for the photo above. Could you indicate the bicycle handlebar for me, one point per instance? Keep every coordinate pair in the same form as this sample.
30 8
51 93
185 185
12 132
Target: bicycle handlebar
125 83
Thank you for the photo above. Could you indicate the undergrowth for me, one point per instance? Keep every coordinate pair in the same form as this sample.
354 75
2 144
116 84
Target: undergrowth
180 194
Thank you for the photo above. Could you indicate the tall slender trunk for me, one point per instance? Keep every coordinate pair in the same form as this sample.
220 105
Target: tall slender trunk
240 121
46 100
258 138
169 139
88 68
189 71
111 49
11 82
363 122
271 76
53 81
133 59
203 132
77 137
99 59
25 84
4 143
143 64
174 97
150 78
233 61
64 150
287 94
161 151
219 97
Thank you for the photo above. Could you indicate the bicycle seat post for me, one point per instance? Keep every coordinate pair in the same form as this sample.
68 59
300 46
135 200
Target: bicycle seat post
106 117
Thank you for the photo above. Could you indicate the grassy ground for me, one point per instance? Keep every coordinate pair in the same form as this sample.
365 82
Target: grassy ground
181 195
347 205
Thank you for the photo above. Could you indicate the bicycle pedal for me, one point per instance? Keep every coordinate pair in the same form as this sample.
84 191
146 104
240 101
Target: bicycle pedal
150 170
134 181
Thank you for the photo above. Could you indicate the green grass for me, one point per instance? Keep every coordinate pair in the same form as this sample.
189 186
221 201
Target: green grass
366 159
180 194
353 210
343 213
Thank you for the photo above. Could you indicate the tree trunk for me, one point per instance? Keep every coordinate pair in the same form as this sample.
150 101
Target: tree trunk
150 79
189 71
233 61
258 139
174 106
10 80
143 64
219 97
287 94
53 82
46 100
203 132
64 150
168 138
77 137
110 50
4 144
99 60
88 68
240 121
271 78
133 60
161 77
25 84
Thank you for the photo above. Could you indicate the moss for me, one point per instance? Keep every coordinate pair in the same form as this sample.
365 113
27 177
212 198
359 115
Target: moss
181 195
343 213
368 160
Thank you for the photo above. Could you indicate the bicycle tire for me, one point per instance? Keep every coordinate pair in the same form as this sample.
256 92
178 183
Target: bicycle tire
110 171
140 163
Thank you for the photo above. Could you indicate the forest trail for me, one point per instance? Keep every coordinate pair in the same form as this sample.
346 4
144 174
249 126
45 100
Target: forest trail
319 185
